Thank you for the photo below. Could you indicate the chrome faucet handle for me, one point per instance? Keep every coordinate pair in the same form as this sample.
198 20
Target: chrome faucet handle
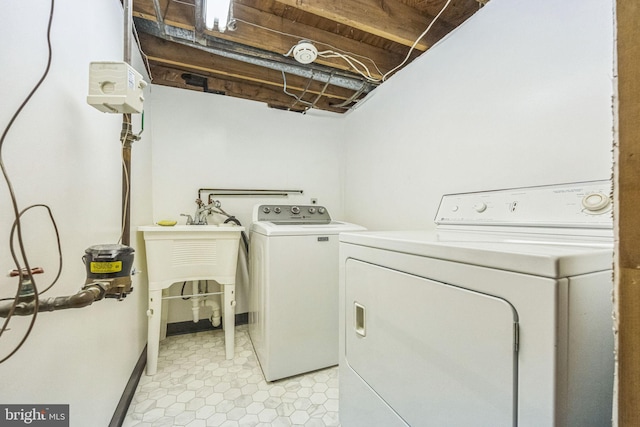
189 219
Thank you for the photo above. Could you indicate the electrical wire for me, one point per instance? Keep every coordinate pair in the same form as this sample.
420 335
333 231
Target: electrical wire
17 223
304 92
348 57
350 60
357 65
284 88
324 89
125 205
347 53
424 33
55 229
147 66
183 2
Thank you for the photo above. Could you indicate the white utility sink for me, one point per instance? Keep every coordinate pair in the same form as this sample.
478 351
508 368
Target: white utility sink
182 253
191 252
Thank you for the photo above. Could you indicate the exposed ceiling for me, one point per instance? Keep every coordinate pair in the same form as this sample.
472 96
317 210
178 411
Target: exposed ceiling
249 62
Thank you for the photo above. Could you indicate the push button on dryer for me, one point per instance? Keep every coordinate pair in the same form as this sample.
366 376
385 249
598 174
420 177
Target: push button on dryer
480 207
595 202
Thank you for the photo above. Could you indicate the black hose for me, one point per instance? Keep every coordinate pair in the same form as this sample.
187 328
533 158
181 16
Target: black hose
245 240
182 291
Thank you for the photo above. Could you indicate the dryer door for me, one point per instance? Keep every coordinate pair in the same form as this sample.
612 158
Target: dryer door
438 355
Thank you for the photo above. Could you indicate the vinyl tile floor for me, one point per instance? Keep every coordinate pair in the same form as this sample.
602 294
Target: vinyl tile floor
195 386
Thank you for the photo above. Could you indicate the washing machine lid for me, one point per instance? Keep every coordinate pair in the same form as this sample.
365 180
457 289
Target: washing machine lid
268 228
553 256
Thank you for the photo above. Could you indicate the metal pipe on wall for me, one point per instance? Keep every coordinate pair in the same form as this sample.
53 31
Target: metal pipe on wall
126 134
254 56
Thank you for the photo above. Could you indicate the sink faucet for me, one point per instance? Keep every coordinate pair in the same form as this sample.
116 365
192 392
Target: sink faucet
202 211
200 217
189 219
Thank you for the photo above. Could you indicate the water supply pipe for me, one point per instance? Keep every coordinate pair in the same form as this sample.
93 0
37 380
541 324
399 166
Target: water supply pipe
126 135
81 299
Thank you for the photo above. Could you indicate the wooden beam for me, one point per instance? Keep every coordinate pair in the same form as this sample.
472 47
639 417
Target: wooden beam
176 55
169 76
389 19
265 31
273 36
627 175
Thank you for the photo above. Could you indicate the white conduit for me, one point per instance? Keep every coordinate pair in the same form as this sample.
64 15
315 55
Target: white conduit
215 316
195 301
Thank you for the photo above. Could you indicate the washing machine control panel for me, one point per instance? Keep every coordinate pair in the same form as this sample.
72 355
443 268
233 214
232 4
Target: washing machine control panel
577 205
292 214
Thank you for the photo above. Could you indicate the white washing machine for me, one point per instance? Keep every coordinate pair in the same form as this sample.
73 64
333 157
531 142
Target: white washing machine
502 316
293 295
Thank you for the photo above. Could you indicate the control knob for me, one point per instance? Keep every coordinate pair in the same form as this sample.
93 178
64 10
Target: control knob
295 210
594 202
312 210
266 209
277 209
321 210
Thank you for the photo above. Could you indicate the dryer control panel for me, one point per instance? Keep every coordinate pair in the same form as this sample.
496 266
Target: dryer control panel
576 205
291 214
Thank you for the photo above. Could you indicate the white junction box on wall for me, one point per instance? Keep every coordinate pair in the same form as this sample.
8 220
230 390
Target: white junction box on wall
115 87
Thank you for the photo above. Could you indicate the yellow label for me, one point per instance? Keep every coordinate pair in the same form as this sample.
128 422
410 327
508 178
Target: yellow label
106 267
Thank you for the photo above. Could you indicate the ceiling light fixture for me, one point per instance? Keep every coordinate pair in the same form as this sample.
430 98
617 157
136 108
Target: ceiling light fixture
216 11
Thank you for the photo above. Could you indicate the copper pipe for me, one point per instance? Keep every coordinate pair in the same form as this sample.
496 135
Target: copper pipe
126 138
81 299
127 135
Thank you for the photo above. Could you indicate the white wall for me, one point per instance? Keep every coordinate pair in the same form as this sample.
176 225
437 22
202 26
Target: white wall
211 141
64 153
519 95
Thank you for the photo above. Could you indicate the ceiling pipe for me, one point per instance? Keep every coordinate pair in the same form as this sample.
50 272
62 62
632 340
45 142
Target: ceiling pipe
255 56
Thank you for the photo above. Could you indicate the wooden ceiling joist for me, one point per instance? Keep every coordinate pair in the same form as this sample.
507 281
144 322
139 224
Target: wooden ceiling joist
263 59
392 20
249 62
168 76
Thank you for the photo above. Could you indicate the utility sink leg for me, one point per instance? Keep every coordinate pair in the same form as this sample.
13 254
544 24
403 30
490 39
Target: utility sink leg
229 319
153 335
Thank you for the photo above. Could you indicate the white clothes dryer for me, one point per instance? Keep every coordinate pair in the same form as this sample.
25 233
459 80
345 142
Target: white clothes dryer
499 317
293 294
